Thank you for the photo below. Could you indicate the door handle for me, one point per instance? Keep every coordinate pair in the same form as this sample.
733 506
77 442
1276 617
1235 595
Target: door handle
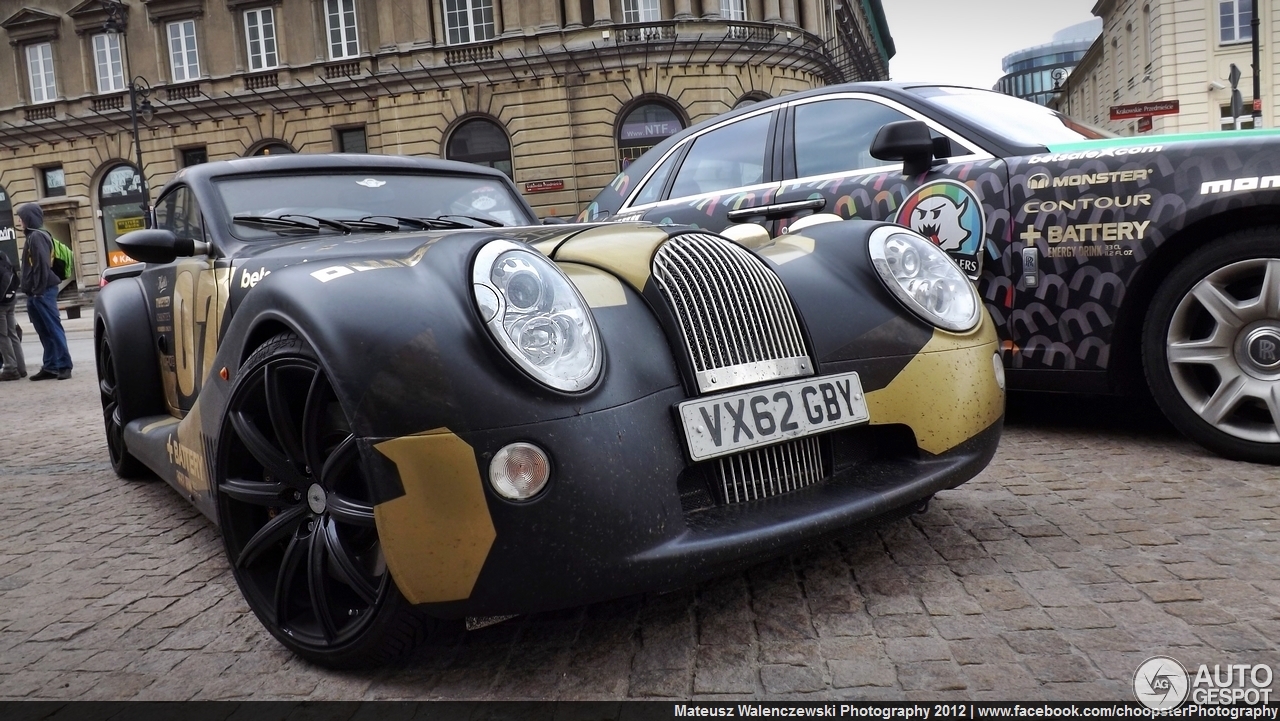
777 210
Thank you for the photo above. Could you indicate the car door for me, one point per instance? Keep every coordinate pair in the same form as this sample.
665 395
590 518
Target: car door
962 204
702 180
187 302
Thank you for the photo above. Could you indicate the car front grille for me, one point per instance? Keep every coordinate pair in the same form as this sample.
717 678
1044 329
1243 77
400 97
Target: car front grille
737 322
771 471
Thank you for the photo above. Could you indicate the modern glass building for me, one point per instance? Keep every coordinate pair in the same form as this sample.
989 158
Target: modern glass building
1029 73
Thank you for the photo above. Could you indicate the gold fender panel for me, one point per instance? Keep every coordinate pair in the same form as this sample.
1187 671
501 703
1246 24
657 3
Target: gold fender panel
436 536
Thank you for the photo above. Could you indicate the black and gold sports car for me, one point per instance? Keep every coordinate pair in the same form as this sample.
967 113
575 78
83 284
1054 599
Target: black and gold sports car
401 400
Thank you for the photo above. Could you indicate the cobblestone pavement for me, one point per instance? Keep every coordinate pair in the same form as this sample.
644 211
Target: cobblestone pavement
1090 543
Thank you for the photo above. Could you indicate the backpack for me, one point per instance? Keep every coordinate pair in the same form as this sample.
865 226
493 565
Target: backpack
60 259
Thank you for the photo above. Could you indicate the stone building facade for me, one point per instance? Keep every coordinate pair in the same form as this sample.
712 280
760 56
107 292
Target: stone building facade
559 94
1164 50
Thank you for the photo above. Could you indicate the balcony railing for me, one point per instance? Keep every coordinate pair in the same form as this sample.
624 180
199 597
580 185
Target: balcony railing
182 92
350 68
107 102
261 81
469 54
42 112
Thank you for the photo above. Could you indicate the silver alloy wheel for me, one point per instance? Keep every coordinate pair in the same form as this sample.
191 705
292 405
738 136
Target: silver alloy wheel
1239 339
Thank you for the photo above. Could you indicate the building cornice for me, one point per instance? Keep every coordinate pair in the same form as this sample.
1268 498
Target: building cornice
30 25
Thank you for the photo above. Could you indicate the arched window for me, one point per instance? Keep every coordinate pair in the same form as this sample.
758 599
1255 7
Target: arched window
646 125
120 200
8 236
482 142
273 147
750 98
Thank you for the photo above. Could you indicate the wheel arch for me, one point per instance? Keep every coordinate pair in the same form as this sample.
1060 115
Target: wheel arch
122 317
1126 373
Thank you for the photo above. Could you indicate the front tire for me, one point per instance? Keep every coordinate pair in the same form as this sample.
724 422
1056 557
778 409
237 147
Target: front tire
1211 346
297 516
113 420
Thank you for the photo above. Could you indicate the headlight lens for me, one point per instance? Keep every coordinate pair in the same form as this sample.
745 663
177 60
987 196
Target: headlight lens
924 278
537 315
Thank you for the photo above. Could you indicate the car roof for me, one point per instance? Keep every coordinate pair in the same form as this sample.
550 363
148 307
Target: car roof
329 161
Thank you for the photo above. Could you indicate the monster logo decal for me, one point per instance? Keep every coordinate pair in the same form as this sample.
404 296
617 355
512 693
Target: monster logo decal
949 214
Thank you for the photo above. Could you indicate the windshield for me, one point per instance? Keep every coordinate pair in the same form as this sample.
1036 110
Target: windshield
321 203
1022 122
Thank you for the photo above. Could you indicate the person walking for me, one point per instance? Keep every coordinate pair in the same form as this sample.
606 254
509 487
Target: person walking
12 365
40 284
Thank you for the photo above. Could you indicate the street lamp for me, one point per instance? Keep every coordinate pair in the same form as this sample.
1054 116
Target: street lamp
139 96
1059 76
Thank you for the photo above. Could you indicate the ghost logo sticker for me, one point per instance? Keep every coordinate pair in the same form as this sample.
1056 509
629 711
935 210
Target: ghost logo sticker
371 183
949 214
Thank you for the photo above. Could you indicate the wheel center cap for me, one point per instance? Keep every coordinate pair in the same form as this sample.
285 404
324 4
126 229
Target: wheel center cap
1263 346
316 498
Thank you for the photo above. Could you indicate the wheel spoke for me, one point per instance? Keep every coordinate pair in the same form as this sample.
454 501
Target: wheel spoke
1273 405
278 407
1269 296
346 567
316 586
272 461
1224 400
312 417
257 493
272 532
293 556
1210 351
105 388
338 462
347 510
1223 308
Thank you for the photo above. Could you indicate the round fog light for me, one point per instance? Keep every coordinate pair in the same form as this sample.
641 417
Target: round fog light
999 369
519 471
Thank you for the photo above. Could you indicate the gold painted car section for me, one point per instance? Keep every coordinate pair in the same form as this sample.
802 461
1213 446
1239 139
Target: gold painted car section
625 251
786 248
947 393
436 536
598 288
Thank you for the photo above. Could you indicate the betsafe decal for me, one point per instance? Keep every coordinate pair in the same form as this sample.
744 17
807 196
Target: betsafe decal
949 214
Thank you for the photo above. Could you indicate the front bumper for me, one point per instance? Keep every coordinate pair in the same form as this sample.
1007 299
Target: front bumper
618 516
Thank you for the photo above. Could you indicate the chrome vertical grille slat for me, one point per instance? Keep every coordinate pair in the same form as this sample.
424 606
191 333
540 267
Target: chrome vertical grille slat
735 317
771 471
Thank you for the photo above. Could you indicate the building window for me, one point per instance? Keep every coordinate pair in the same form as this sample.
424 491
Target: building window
273 148
194 156
352 140
40 72
120 200
1237 19
106 58
481 142
182 51
640 11
468 21
732 10
1229 123
260 38
53 182
644 127
341 20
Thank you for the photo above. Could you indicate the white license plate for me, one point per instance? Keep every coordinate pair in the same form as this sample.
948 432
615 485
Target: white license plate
720 425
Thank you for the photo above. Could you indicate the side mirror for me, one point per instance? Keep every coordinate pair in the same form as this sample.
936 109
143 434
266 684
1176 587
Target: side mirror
908 141
555 220
159 246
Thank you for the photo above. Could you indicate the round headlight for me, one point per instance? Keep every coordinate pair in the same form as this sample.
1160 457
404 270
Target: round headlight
536 315
924 278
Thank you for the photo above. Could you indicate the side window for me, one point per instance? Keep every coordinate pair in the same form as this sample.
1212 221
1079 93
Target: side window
729 157
179 213
652 190
834 136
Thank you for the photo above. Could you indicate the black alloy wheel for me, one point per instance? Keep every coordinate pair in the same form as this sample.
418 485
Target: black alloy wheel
1211 346
122 462
297 516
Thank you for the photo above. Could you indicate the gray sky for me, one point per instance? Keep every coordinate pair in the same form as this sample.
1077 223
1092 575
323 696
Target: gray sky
962 41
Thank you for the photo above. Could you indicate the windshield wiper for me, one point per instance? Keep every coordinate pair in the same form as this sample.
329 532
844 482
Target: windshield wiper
328 222
273 223
418 223
487 221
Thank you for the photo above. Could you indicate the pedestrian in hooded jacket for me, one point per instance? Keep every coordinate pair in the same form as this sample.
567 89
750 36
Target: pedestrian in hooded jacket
41 286
12 365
